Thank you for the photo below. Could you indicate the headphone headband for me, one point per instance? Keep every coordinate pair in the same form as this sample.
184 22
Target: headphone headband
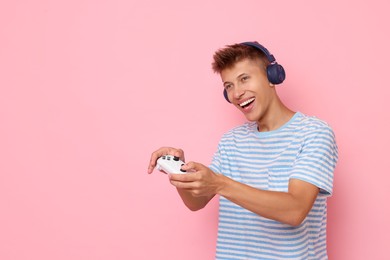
260 47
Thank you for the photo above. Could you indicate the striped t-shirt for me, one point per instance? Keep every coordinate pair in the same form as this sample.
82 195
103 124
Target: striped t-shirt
304 148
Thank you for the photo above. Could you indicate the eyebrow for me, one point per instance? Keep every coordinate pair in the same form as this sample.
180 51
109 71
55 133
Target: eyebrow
239 76
242 74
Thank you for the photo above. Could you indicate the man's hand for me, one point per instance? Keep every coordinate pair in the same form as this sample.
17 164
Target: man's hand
198 188
199 180
164 151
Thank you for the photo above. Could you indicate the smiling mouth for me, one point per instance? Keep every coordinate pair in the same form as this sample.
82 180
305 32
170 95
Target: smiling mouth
246 103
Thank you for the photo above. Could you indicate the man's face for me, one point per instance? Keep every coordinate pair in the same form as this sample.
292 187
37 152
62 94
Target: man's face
248 88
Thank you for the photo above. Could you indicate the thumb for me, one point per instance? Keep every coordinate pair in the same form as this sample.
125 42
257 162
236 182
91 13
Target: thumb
192 166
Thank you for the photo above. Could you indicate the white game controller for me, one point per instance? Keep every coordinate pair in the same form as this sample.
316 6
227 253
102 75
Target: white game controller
170 164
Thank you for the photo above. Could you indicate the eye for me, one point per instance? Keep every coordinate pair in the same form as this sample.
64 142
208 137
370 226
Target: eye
244 78
227 86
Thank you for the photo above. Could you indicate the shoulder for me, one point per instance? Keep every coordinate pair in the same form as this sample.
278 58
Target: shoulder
312 124
316 133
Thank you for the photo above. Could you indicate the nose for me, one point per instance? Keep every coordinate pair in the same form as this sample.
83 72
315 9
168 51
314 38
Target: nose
238 92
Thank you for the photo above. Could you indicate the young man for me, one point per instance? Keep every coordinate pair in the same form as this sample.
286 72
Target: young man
273 174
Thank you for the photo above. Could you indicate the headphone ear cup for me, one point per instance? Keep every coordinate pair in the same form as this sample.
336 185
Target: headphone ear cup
276 73
226 95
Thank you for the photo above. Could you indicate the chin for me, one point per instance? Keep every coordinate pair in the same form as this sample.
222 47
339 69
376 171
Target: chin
251 118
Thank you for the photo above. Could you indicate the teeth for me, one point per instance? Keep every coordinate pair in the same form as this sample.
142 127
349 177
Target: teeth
246 102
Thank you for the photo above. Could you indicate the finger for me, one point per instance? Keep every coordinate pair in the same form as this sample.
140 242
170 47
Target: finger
187 177
182 184
193 166
179 153
155 155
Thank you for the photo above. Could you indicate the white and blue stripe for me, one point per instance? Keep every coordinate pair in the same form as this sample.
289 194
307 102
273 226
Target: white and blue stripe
305 149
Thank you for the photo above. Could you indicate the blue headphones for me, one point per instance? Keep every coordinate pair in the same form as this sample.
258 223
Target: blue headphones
275 72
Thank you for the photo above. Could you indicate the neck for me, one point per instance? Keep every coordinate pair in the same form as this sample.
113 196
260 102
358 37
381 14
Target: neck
275 117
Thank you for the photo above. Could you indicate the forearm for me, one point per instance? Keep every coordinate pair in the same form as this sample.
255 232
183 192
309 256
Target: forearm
286 207
192 202
197 188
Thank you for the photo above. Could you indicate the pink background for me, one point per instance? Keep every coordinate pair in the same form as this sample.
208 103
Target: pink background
88 89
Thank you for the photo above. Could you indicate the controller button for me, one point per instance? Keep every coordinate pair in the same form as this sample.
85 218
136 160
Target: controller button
175 158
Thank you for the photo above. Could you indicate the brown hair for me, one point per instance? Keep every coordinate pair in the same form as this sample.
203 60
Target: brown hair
227 57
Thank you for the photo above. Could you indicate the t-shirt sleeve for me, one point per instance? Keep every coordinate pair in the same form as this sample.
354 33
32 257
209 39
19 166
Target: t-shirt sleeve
317 159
